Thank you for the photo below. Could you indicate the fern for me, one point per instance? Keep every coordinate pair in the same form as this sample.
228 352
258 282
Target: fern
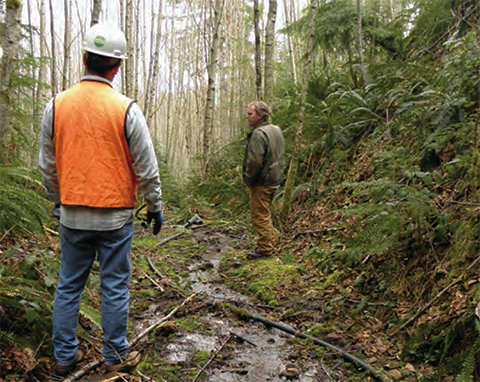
23 204
468 368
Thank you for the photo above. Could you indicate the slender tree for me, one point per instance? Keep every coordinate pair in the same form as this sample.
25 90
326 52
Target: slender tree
269 51
128 64
96 10
43 48
290 45
360 44
66 46
212 74
10 47
154 66
53 51
292 171
258 50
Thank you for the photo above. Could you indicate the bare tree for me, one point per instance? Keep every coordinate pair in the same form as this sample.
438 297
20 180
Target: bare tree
269 51
66 45
212 74
10 44
43 49
292 171
258 50
360 44
128 64
154 65
96 10
290 45
53 52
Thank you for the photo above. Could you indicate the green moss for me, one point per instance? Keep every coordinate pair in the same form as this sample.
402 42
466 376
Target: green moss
201 357
188 324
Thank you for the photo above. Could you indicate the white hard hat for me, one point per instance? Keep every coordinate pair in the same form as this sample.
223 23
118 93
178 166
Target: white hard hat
105 40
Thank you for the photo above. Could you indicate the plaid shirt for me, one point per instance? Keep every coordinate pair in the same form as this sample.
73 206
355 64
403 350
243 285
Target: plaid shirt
144 165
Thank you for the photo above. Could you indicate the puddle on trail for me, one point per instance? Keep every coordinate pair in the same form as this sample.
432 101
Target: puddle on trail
266 360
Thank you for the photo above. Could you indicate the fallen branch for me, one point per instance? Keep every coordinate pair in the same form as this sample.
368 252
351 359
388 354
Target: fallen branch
157 323
421 310
92 365
464 203
154 283
288 329
212 358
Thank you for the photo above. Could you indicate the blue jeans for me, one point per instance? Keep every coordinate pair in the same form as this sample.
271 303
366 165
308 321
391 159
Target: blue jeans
78 254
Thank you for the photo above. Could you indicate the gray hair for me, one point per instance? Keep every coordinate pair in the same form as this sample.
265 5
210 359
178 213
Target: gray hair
261 108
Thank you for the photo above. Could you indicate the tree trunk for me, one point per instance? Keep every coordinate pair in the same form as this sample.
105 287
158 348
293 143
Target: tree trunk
360 44
66 46
96 10
53 69
269 51
10 44
41 68
128 63
121 5
154 67
292 171
258 63
212 74
290 45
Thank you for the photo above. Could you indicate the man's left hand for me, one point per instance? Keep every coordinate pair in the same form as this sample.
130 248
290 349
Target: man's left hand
158 221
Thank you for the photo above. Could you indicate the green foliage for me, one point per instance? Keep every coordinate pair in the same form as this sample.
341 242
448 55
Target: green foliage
468 368
23 204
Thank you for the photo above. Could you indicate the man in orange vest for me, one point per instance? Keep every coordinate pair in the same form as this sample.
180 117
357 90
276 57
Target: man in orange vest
95 150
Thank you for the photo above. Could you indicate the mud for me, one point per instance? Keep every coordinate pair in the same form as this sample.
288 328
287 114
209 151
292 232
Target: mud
253 352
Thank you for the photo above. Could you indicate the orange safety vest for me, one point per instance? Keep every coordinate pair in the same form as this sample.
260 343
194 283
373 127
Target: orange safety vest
94 165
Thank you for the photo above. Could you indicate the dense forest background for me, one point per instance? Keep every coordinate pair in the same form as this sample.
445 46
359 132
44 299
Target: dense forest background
379 101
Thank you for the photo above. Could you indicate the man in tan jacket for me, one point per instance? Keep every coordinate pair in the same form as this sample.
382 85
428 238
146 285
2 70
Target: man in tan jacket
263 166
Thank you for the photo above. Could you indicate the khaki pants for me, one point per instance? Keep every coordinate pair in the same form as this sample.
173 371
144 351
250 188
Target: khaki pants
260 201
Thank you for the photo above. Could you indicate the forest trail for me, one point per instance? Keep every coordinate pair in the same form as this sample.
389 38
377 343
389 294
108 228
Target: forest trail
207 325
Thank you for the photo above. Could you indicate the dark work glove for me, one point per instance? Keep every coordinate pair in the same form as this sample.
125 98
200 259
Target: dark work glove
56 212
157 219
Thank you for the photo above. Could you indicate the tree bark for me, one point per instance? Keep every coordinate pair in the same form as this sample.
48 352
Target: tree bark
128 63
154 66
96 10
290 45
66 46
292 171
269 51
258 54
212 74
360 44
10 44
41 68
53 69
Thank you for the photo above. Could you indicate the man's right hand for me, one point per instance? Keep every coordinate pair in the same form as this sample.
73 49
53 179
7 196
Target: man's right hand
158 221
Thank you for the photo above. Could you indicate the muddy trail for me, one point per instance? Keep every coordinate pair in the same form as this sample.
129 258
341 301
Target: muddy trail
209 326
208 338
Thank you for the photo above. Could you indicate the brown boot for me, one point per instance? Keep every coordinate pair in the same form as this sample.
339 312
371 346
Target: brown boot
128 364
64 370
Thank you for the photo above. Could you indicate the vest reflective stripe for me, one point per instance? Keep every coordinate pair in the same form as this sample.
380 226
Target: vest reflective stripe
93 160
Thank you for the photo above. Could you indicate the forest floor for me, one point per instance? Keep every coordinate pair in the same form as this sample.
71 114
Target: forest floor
212 332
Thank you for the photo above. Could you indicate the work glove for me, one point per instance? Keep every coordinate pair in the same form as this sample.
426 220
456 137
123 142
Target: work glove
56 212
157 219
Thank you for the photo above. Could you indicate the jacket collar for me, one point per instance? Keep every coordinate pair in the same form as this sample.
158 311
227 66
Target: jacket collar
260 124
90 77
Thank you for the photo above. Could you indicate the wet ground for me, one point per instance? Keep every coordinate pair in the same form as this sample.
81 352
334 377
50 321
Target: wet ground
207 328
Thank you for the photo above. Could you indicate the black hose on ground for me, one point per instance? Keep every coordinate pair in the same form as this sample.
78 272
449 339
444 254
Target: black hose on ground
288 329
194 220
283 327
